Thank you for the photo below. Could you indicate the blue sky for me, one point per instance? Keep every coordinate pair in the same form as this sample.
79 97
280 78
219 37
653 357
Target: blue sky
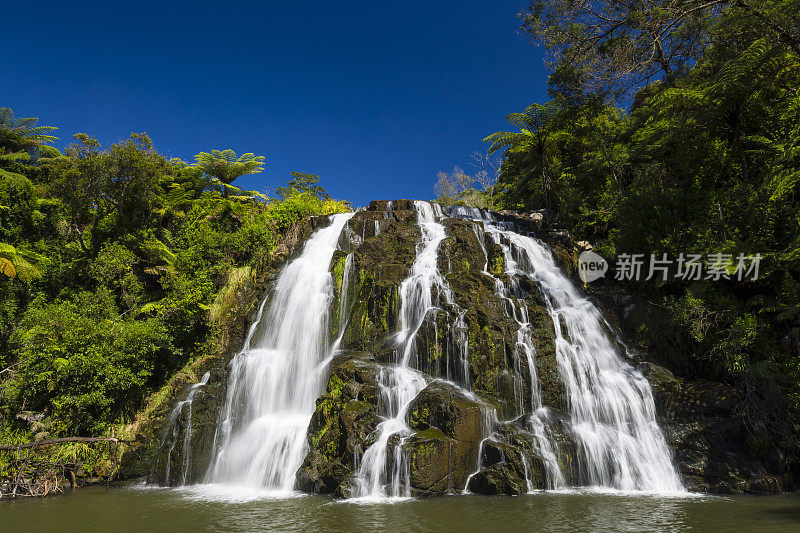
375 97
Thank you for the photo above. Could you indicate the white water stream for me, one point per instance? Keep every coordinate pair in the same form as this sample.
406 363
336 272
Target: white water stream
172 428
275 379
420 293
610 403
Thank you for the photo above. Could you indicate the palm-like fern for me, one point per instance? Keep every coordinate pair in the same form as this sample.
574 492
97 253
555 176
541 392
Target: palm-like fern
534 136
19 263
5 159
226 167
531 123
25 131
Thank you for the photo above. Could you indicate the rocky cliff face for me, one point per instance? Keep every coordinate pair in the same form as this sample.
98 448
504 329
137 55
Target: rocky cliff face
468 428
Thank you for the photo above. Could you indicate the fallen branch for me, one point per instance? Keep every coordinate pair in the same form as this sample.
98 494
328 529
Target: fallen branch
41 478
14 447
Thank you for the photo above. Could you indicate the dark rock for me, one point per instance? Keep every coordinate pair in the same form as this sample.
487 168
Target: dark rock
344 418
459 415
503 470
438 464
450 425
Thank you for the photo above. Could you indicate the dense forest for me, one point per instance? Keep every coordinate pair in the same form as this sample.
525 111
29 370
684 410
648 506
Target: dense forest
112 261
674 128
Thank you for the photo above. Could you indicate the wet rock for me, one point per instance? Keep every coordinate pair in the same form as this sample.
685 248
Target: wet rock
510 463
503 470
340 428
456 413
380 263
438 464
449 425
707 437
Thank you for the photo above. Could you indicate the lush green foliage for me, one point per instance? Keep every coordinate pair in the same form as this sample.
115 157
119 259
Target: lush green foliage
111 259
704 160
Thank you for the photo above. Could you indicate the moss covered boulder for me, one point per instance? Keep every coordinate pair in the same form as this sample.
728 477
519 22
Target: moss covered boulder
342 423
449 425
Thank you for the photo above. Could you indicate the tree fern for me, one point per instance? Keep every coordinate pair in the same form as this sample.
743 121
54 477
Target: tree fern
226 167
19 263
28 134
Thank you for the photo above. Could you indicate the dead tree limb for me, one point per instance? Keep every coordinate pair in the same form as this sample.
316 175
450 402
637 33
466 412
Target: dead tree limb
14 447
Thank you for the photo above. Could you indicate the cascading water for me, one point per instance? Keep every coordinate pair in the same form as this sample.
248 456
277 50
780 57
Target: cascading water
423 284
516 308
377 477
544 445
275 379
420 293
345 304
173 430
611 404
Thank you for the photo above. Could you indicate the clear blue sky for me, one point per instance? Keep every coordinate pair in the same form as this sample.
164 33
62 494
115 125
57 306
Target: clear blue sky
375 97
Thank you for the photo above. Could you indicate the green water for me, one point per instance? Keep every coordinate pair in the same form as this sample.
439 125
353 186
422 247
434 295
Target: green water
176 511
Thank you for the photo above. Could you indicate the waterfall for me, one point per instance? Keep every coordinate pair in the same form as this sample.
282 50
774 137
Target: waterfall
423 284
344 296
173 428
260 440
187 437
516 309
610 403
543 444
400 384
274 381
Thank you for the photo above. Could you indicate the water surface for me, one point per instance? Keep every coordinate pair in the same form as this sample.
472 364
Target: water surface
197 510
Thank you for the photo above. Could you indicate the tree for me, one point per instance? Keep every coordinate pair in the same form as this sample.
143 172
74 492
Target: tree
445 189
18 133
109 191
450 188
536 138
618 45
488 172
20 263
704 161
303 182
226 167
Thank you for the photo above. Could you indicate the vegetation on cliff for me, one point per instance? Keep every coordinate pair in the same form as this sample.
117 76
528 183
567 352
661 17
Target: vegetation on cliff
112 259
673 128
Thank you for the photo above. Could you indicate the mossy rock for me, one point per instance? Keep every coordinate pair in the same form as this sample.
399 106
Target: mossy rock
443 451
343 421
438 464
442 405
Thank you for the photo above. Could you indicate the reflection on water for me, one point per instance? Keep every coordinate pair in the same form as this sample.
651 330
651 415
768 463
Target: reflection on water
196 509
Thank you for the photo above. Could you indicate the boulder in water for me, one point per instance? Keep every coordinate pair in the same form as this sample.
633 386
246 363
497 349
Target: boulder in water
450 424
342 422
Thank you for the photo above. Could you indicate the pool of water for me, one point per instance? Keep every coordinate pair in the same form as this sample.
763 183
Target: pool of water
193 510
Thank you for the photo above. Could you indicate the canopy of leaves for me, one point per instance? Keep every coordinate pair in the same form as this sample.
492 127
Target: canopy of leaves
226 167
617 46
110 258
705 159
